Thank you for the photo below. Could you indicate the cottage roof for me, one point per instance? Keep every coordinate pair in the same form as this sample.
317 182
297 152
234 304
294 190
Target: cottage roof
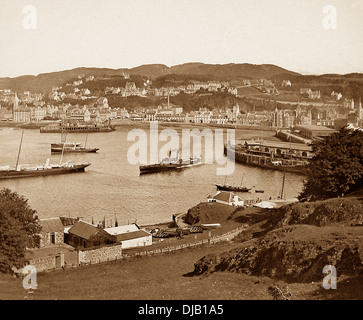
132 235
83 230
225 196
122 229
222 196
51 225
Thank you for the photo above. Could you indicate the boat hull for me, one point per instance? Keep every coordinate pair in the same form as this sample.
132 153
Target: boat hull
158 168
230 188
12 174
155 168
71 150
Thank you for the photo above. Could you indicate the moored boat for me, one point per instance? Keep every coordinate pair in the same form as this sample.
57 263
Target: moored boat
232 188
71 148
6 172
23 171
169 164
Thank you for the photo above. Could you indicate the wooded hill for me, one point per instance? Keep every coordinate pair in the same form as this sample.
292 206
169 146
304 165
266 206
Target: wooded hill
45 81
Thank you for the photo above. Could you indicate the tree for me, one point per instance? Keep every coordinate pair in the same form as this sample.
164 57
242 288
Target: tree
18 230
336 168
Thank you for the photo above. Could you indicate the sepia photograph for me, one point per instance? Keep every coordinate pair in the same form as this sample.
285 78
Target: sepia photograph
181 157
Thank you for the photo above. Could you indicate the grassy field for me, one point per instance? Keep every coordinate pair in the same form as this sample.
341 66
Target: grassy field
162 277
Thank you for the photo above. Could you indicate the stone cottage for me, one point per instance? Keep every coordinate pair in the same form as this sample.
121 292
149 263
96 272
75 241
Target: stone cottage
86 235
52 232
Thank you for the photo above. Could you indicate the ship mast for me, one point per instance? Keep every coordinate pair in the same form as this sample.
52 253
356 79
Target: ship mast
21 141
85 143
64 143
283 185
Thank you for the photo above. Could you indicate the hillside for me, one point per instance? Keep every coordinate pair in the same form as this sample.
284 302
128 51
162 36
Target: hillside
349 85
209 212
45 81
295 242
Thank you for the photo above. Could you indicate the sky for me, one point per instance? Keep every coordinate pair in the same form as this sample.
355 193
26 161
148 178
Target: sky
298 35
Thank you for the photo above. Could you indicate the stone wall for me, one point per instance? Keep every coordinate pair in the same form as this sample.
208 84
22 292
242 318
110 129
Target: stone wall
45 238
43 264
102 254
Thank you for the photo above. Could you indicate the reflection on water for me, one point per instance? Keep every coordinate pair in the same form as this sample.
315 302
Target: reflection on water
111 187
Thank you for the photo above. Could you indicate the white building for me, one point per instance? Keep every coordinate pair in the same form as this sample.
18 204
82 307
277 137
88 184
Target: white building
228 198
131 236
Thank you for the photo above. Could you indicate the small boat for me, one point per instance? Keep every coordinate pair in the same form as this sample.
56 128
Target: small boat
68 147
208 226
71 147
226 187
259 191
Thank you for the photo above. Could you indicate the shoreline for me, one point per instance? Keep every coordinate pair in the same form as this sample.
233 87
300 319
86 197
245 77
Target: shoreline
130 123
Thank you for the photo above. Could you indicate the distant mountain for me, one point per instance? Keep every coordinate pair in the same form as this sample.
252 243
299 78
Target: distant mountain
231 70
45 81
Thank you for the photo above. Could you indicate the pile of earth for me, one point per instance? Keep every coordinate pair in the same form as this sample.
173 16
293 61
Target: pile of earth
295 242
293 254
209 212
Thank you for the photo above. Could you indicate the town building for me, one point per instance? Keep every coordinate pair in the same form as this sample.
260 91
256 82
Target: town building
22 114
84 235
228 198
313 131
130 236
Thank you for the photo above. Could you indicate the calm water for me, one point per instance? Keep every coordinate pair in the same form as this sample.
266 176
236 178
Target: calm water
111 187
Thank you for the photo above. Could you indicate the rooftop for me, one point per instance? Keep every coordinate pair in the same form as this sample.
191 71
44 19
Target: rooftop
51 225
314 127
83 229
122 229
132 235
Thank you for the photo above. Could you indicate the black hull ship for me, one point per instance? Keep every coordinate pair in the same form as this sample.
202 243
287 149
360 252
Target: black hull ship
71 148
36 171
232 188
169 166
267 160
